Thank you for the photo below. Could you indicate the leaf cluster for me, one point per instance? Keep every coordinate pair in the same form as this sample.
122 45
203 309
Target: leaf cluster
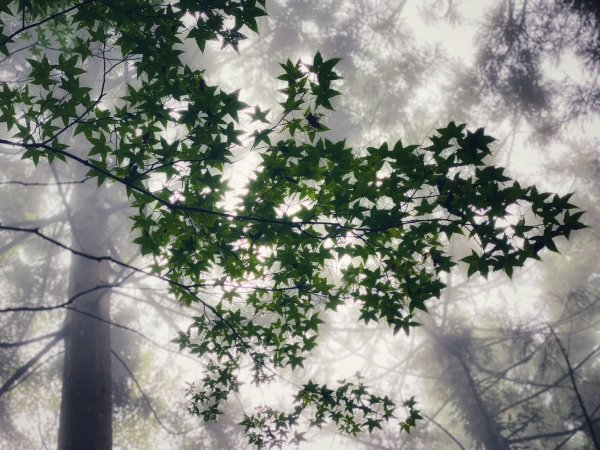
319 224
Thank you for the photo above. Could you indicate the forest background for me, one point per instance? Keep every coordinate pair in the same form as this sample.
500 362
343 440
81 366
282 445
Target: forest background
496 364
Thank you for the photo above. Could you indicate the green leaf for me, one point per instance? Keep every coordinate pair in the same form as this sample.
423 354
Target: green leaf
259 115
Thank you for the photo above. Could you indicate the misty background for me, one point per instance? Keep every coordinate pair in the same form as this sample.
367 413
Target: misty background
497 364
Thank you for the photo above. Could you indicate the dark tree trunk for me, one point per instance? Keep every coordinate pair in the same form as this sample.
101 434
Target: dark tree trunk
86 406
480 421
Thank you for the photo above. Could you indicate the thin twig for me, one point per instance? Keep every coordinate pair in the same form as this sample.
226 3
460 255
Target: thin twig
135 381
29 341
588 419
24 27
21 371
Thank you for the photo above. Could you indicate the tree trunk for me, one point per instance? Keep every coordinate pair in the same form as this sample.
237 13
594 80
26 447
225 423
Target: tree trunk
480 421
86 405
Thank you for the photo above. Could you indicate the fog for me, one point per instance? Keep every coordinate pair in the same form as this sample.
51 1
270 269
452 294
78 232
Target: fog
497 363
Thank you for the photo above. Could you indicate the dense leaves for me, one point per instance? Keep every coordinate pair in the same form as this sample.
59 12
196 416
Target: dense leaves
318 225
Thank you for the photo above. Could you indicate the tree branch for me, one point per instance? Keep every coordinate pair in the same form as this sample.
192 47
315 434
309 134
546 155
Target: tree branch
24 27
549 435
134 269
29 341
64 304
22 371
456 441
558 380
299 225
588 419
135 381
37 183
132 330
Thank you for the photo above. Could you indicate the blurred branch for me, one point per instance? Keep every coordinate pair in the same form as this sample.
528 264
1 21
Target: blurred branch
134 331
37 183
39 222
188 289
450 435
7 247
29 341
22 371
558 380
135 381
20 49
100 258
550 435
24 27
588 419
391 18
64 304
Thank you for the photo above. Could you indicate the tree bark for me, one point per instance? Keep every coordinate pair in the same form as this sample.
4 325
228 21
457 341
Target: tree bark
86 404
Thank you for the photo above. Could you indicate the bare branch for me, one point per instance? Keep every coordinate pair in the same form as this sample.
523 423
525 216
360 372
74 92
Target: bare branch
38 183
134 331
22 371
558 380
135 381
29 341
550 435
64 304
588 419
456 441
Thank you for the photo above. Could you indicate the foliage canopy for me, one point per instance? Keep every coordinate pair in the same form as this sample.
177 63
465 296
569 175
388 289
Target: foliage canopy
318 224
